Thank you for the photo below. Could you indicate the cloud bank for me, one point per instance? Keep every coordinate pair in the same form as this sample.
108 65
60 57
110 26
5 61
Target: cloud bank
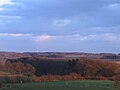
53 25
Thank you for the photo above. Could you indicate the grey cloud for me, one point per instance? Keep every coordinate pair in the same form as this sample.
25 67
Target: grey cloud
38 14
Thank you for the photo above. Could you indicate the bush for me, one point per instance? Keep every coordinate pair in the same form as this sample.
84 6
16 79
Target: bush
117 81
15 79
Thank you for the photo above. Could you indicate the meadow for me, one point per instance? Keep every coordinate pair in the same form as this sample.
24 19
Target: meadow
67 85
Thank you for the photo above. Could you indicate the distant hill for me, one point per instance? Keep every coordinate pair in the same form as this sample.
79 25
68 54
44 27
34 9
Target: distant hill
70 55
74 55
12 55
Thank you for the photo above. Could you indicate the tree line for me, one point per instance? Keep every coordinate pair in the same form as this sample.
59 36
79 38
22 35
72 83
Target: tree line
84 67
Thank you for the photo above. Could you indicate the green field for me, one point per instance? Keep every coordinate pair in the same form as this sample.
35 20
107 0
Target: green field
67 85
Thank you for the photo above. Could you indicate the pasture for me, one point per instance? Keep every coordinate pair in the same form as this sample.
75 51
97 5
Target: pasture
67 85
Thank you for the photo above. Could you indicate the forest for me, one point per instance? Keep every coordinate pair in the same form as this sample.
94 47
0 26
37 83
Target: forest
38 69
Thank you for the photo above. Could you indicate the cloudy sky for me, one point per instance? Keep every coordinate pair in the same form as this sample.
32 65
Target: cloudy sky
60 25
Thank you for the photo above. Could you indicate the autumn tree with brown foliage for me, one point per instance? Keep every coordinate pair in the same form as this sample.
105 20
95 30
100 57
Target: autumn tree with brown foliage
20 68
30 70
88 67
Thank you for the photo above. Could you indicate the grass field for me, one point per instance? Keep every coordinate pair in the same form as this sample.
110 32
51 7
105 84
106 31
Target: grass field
67 85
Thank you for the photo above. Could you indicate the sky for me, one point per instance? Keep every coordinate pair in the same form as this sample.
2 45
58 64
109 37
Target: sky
60 26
